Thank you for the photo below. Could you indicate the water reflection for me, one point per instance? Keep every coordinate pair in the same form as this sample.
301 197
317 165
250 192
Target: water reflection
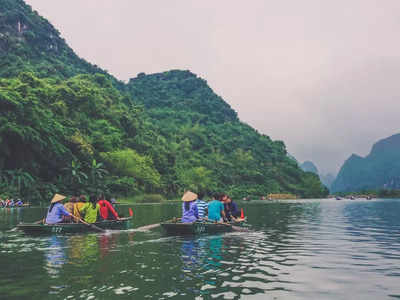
214 257
10 215
55 256
295 250
83 249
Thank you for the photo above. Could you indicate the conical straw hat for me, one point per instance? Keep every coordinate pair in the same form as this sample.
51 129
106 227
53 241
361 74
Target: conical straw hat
189 196
57 198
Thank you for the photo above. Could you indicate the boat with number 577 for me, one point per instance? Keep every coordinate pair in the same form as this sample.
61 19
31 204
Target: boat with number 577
61 228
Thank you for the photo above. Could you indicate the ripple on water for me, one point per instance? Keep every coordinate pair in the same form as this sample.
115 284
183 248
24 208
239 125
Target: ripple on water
300 250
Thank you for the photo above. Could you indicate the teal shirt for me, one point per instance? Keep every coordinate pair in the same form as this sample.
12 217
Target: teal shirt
214 210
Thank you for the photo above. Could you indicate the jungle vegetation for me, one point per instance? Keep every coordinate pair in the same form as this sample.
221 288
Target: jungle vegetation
67 126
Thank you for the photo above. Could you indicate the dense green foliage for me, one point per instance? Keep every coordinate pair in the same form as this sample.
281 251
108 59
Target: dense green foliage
29 43
67 126
201 144
379 170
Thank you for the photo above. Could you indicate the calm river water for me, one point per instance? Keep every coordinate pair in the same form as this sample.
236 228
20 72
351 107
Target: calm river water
306 249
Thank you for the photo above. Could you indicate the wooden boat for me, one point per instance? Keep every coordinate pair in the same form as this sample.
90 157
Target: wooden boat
175 227
32 228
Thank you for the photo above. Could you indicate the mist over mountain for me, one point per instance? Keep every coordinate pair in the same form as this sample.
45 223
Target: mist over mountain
326 179
309 166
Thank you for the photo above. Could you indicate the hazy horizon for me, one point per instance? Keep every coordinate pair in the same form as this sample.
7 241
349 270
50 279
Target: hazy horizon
321 76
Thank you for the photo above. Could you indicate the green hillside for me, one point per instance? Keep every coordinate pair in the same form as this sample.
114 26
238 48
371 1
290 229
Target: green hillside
67 126
379 170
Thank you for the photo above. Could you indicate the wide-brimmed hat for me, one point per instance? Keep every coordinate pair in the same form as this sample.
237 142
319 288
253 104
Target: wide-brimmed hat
57 198
189 196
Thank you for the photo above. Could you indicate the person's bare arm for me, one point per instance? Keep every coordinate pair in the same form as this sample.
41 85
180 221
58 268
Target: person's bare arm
223 215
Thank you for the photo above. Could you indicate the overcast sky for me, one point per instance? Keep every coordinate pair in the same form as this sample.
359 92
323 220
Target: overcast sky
323 76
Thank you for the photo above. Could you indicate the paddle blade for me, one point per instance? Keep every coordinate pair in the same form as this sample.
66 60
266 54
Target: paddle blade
241 214
130 212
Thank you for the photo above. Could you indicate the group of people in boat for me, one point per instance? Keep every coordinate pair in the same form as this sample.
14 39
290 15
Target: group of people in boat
220 209
77 208
11 203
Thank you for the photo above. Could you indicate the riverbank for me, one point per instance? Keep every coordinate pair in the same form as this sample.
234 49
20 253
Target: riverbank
145 199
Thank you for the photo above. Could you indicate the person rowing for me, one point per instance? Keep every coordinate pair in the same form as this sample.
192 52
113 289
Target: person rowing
190 211
57 211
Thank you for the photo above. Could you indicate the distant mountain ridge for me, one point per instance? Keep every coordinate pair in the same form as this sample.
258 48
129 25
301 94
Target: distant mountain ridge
326 179
308 166
380 169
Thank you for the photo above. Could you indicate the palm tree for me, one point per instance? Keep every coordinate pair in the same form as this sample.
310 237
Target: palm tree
19 179
97 173
75 175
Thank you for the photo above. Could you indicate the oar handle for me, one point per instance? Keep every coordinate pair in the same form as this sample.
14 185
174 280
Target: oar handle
91 225
80 220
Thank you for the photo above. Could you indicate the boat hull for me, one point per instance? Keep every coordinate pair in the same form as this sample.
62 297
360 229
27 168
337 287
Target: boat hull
61 228
175 228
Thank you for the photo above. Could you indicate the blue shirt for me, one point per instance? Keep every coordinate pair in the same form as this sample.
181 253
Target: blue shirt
55 215
214 210
190 215
201 206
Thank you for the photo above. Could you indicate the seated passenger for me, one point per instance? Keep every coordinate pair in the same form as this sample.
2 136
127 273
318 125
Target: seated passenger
107 211
69 206
91 210
202 206
231 210
189 208
80 202
216 209
19 203
56 210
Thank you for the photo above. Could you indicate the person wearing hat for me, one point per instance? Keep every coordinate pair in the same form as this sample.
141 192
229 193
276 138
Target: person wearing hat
56 210
190 212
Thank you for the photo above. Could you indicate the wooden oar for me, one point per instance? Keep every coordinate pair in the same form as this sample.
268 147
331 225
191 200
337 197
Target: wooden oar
147 227
152 226
236 228
90 225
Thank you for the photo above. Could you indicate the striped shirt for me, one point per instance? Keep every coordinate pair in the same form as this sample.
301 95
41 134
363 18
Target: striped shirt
201 207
